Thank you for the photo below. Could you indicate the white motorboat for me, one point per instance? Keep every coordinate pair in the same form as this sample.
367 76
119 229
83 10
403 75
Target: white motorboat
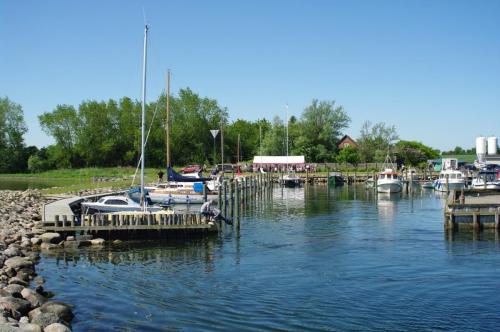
486 179
389 181
449 179
116 203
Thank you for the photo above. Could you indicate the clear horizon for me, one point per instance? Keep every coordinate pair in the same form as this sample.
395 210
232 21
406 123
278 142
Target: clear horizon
430 68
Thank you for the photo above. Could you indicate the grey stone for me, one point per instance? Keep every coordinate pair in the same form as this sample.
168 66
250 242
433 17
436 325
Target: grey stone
36 241
57 327
14 288
28 327
18 262
9 328
18 281
61 309
17 307
48 246
43 319
97 242
39 280
50 237
34 298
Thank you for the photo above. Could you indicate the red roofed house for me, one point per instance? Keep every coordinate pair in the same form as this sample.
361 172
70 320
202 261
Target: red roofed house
346 141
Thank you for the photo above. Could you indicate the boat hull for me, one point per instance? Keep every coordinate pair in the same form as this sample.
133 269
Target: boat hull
440 185
170 198
117 208
389 187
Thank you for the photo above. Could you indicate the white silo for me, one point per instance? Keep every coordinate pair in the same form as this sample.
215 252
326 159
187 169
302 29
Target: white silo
492 145
481 148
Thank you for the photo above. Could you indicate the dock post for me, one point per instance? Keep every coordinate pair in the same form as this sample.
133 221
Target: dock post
56 220
65 220
204 192
225 197
219 192
475 221
448 183
497 219
231 197
73 219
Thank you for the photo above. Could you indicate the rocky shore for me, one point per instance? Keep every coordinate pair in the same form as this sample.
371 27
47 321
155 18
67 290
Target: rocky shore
24 304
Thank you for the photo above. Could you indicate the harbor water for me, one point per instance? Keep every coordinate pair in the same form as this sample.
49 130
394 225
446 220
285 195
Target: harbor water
308 259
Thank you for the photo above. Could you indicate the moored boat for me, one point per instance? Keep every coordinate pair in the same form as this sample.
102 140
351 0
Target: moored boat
389 181
487 179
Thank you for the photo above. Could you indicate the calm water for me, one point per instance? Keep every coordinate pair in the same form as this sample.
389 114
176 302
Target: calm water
307 260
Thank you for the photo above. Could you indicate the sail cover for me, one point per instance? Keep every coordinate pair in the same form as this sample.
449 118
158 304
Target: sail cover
174 176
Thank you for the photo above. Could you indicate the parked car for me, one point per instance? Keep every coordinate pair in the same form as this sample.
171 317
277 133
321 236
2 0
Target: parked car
191 169
227 167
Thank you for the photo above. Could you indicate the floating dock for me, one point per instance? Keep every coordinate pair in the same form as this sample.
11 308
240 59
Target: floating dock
472 209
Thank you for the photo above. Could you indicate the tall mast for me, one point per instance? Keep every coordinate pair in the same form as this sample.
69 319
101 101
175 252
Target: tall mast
143 116
168 120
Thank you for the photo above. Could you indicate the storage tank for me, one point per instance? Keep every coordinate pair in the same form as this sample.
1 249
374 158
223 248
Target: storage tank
492 145
481 148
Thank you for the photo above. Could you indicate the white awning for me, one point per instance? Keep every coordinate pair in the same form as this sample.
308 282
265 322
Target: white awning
272 160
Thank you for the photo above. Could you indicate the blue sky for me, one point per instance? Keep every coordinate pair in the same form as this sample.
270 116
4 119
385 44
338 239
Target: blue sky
431 68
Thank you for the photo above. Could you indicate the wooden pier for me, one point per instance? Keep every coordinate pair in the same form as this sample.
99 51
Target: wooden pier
472 209
234 193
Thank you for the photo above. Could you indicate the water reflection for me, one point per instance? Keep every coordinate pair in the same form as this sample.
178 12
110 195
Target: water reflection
386 206
144 252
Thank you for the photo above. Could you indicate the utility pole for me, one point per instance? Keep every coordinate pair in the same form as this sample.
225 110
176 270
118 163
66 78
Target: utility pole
238 151
167 127
260 138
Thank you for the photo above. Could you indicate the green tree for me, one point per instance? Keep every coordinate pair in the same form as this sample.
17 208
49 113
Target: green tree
375 140
414 153
322 125
348 155
12 129
63 125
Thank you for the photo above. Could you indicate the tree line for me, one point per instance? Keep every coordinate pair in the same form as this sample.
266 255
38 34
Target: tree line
107 133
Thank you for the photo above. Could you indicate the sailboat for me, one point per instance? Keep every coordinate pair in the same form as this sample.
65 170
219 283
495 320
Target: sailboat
180 189
129 202
290 179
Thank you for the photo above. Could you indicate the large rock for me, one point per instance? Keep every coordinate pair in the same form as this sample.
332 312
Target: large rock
35 240
34 298
9 328
14 288
57 327
97 242
61 309
43 319
17 307
18 281
48 246
18 262
51 237
27 327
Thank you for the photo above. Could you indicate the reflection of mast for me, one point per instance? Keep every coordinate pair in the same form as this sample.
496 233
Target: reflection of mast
167 124
286 124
